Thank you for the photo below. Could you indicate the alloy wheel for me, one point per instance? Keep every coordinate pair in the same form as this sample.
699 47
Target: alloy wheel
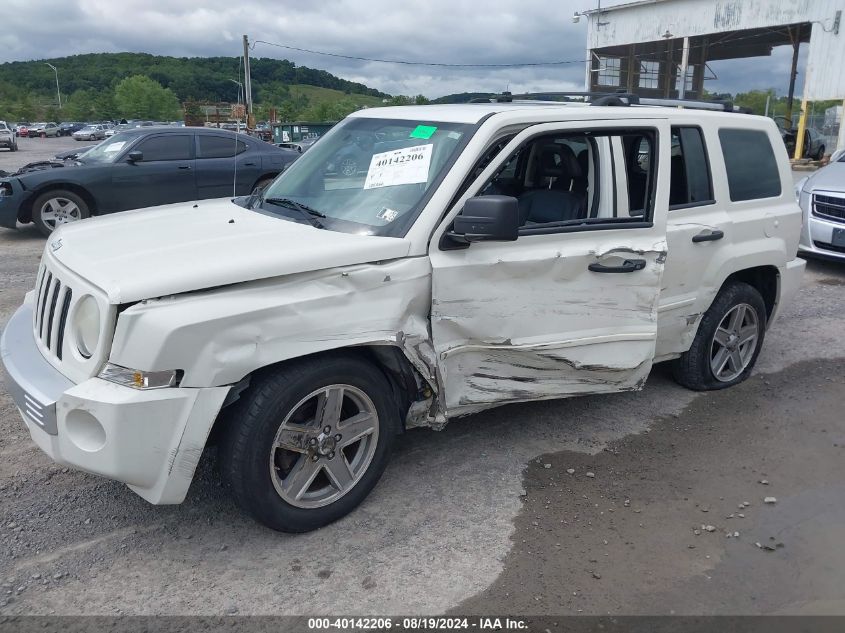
734 343
324 446
57 211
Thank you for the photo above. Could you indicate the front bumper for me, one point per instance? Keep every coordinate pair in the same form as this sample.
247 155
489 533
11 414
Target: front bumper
150 440
817 236
10 205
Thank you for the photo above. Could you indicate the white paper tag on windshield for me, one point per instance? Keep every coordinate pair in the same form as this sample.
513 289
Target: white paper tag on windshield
114 147
404 166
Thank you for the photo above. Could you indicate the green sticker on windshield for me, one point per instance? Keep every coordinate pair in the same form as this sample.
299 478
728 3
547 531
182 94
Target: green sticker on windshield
423 131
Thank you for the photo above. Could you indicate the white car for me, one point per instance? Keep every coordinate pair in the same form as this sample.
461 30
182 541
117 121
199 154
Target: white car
487 254
90 133
822 199
7 137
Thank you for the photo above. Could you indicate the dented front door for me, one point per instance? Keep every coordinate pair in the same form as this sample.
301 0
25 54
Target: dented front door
532 319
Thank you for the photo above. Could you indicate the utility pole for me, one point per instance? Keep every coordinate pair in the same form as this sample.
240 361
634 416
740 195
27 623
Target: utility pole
802 122
250 118
58 93
793 73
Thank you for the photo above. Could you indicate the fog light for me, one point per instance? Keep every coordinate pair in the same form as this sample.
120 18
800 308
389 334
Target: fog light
138 379
85 431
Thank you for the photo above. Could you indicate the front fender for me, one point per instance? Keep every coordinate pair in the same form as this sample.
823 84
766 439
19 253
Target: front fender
218 337
16 200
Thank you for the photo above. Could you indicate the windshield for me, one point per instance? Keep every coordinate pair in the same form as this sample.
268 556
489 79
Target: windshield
108 150
368 175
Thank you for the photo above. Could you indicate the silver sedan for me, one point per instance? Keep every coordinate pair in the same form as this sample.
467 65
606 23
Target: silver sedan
822 199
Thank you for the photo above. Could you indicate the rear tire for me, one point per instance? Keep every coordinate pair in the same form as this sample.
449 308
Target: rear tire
56 207
281 464
728 340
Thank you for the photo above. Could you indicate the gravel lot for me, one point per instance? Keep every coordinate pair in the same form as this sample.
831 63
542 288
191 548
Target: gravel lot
471 518
34 149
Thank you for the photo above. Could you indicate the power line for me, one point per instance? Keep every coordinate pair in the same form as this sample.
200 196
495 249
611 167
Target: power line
414 63
729 40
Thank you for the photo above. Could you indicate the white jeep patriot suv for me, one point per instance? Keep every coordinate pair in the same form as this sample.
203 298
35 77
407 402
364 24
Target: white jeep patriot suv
482 254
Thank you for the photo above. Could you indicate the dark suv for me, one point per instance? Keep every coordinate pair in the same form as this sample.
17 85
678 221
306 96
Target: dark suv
140 167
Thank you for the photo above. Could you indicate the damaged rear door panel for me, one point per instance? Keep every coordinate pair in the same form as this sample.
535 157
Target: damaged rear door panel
541 317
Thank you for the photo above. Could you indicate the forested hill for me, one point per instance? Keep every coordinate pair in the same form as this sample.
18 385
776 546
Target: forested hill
189 78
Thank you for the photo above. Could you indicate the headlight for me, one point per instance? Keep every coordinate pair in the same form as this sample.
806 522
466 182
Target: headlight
86 326
138 379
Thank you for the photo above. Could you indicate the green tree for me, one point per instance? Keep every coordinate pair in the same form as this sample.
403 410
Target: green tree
139 97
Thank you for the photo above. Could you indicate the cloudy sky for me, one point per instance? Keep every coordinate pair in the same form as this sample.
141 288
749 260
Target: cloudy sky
450 31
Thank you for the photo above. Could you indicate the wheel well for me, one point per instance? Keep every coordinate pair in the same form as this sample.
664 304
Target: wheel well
404 379
264 177
25 214
765 279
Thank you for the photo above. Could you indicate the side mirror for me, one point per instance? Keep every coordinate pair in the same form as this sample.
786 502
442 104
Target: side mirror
135 157
487 218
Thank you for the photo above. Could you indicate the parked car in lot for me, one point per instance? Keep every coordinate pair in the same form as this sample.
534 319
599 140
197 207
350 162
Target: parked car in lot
300 146
814 146
73 154
22 129
822 199
141 167
68 128
7 137
44 130
90 133
497 253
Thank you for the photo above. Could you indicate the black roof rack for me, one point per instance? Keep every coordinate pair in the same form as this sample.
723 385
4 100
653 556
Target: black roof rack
620 98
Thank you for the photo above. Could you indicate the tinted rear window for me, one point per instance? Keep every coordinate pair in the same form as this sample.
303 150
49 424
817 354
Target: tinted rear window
219 146
751 164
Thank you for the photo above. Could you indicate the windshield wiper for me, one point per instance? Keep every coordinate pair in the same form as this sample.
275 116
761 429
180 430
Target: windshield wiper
307 212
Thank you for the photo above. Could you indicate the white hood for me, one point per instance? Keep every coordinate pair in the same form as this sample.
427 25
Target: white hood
143 254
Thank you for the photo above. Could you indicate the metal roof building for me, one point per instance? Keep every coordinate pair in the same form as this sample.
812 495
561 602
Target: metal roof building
647 46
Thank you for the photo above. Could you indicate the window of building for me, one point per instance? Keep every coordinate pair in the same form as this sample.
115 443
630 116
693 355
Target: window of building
649 74
609 71
688 82
751 164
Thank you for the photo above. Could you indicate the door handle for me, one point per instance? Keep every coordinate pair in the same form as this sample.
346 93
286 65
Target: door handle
708 236
628 266
184 167
249 164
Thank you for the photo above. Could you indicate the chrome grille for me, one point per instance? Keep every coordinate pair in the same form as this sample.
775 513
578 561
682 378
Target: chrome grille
830 207
51 308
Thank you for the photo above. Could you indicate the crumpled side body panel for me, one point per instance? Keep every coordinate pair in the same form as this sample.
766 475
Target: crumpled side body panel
217 337
520 322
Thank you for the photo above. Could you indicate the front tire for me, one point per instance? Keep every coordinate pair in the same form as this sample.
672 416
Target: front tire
308 441
54 208
728 340
820 153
